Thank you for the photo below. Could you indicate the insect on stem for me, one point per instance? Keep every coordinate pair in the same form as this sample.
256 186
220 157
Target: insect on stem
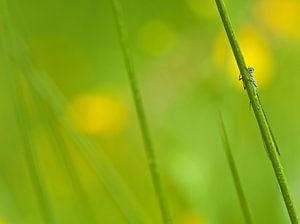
251 79
259 113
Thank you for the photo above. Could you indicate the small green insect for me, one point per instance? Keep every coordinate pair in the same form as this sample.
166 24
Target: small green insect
252 79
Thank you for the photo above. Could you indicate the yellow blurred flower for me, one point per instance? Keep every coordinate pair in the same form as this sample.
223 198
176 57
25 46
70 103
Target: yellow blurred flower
203 9
98 114
282 17
190 218
256 52
156 37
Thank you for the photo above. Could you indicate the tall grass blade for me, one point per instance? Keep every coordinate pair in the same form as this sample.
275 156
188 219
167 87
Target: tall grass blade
263 124
110 178
21 110
31 156
235 175
8 206
84 209
123 39
61 151
44 86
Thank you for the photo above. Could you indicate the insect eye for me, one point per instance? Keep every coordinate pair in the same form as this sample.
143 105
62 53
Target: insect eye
251 70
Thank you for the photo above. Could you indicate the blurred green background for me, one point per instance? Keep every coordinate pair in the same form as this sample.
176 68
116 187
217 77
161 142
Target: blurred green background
187 73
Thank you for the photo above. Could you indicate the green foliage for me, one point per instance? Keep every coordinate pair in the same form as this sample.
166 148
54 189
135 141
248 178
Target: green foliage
55 55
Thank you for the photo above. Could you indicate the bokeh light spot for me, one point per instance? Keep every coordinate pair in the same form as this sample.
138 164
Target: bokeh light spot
203 9
282 17
98 114
256 52
190 218
156 37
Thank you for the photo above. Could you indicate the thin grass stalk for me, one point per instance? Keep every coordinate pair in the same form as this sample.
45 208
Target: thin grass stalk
31 159
22 119
45 87
120 193
30 154
235 175
82 203
97 160
156 179
106 173
261 119
9 206
84 208
61 151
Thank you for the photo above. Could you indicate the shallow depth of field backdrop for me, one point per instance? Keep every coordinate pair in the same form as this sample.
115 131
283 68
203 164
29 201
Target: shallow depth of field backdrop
187 73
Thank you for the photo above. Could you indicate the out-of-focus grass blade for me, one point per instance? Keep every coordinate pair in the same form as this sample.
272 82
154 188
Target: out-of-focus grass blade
110 178
8 204
44 86
235 175
21 110
84 209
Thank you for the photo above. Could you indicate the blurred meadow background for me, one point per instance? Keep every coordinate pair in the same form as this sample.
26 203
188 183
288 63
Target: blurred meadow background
68 121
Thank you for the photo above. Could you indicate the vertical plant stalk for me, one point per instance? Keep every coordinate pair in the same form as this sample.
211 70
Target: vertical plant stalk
235 175
259 114
89 149
43 85
83 207
35 174
31 156
123 38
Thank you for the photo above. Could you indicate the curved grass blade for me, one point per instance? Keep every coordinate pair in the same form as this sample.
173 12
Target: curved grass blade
21 114
44 86
106 173
84 208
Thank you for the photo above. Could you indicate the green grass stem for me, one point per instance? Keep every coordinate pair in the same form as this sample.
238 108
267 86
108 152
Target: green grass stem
122 196
235 175
45 87
41 84
123 39
9 206
83 207
21 110
263 124
31 156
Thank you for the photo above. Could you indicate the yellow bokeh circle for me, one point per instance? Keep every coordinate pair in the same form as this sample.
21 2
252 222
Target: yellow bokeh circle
190 218
281 16
256 51
98 114
156 37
